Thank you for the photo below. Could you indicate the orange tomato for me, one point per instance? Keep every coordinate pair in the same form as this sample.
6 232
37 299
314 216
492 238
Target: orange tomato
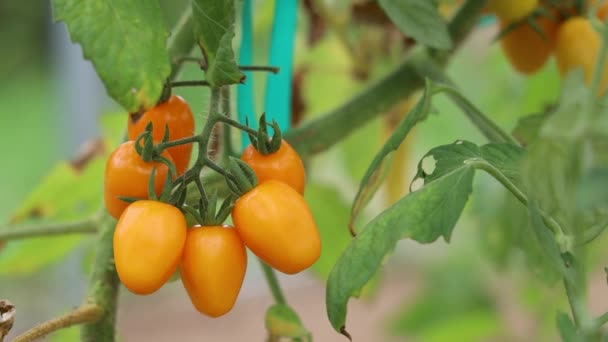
578 46
526 50
284 165
213 268
148 243
177 115
602 11
127 175
275 223
512 10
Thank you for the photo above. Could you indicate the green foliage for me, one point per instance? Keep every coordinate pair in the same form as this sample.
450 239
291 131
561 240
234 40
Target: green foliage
283 322
214 30
566 327
125 40
64 195
440 190
376 171
420 20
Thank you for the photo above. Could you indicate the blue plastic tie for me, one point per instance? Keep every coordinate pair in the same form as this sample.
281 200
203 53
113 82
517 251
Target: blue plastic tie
277 103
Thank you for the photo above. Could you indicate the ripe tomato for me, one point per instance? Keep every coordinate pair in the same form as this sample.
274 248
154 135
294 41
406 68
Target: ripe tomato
174 113
526 50
148 243
276 224
127 175
284 165
213 268
578 45
512 10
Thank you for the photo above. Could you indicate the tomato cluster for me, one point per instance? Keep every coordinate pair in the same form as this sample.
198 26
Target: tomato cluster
152 239
564 33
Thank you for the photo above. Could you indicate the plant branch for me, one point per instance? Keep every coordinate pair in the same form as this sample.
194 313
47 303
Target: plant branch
236 124
488 128
103 286
272 69
190 83
84 314
549 221
273 283
16 232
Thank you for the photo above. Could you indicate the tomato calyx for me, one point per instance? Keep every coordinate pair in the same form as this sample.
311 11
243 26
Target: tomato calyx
240 178
530 20
207 214
262 142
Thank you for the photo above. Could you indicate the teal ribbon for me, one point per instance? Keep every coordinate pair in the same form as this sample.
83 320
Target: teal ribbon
277 100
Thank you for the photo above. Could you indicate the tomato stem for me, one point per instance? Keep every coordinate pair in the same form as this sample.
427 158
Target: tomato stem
236 124
272 69
273 283
190 83
84 314
226 133
16 232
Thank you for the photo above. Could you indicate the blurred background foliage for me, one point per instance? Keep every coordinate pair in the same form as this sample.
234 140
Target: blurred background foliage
481 287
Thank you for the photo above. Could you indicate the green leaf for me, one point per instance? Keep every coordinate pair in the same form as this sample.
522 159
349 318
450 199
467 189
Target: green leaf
439 192
567 330
125 40
214 30
64 195
283 322
420 20
378 168
416 215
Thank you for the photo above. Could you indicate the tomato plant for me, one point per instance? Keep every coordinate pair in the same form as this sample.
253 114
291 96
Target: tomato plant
153 200
148 243
127 175
527 49
175 115
275 222
512 10
212 268
283 165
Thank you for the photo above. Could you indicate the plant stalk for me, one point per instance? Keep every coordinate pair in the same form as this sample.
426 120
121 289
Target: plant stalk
273 283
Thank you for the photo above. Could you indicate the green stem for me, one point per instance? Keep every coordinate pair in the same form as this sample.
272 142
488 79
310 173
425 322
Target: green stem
103 287
487 127
16 232
190 83
273 283
236 124
549 221
272 69
601 320
574 308
163 146
181 41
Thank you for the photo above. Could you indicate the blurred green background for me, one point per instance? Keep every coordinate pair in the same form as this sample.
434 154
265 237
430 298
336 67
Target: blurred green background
479 288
